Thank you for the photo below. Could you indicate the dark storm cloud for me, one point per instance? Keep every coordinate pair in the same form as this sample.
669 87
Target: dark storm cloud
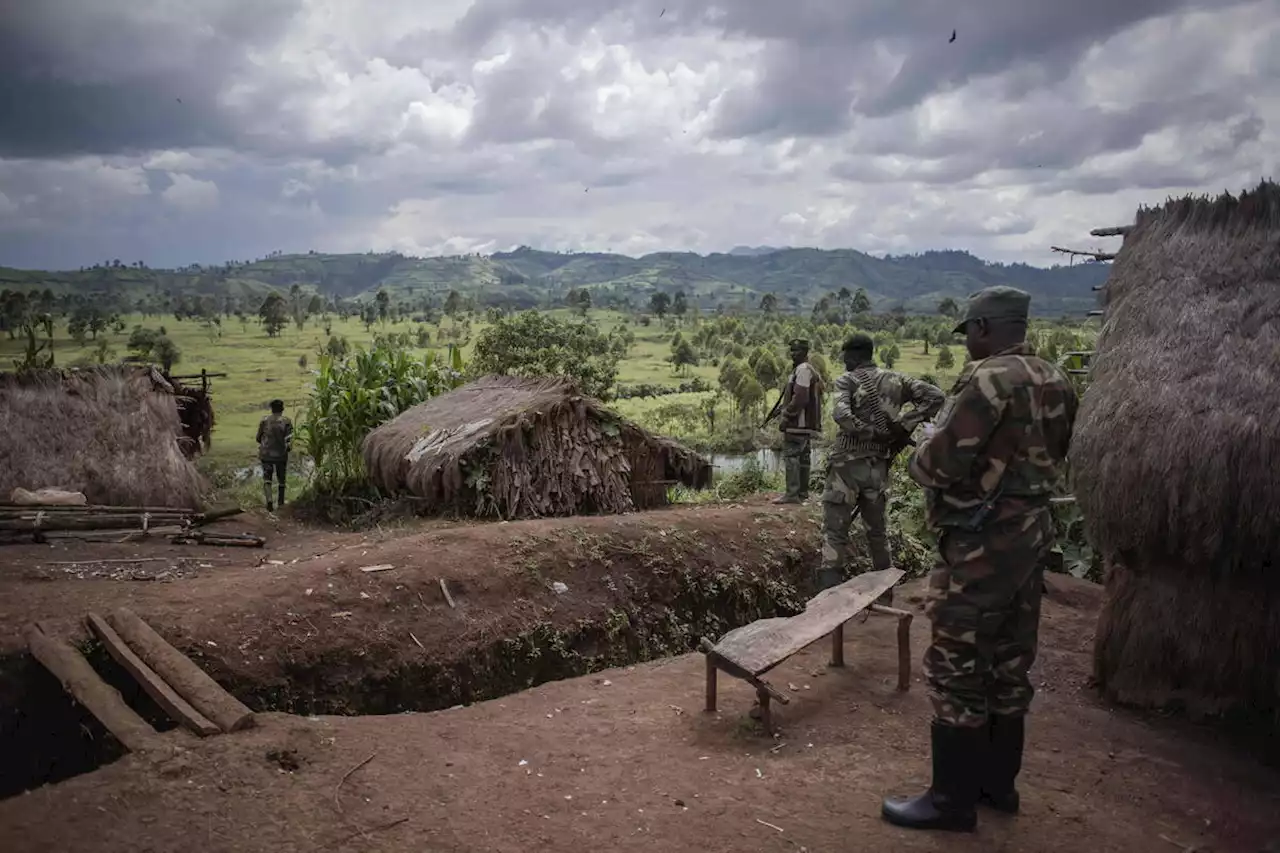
816 70
114 76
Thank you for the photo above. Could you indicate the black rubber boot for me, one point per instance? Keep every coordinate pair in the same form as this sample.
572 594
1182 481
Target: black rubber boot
1006 737
949 802
280 500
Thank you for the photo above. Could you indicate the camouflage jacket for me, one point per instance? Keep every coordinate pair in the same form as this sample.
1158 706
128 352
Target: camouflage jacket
869 399
275 438
1003 432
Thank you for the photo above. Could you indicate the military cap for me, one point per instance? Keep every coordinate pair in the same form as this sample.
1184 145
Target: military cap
798 345
858 341
995 303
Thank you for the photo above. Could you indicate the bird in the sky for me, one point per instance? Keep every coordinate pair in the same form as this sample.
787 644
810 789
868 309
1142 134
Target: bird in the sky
953 37
663 12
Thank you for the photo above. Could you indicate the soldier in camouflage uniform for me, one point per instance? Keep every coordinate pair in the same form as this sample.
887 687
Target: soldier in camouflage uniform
275 440
868 410
988 470
801 420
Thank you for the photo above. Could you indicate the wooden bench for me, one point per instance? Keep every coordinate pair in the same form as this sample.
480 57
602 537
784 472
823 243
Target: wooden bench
752 650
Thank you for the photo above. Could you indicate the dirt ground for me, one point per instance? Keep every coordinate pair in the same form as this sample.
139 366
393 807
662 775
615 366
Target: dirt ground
626 760
620 760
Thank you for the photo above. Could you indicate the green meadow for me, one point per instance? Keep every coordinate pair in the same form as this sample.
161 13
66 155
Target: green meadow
260 368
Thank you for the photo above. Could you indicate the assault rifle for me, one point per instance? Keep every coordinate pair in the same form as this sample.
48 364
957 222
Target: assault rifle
774 412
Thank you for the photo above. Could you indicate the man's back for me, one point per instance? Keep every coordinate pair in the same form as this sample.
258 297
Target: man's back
273 438
1004 432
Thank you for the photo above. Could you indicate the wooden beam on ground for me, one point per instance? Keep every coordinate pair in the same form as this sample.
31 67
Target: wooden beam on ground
173 704
99 698
189 680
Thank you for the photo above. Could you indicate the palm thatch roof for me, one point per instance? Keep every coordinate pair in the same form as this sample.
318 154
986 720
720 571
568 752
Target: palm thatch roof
1176 454
514 447
111 432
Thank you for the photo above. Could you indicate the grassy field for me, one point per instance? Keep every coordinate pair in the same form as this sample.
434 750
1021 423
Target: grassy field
260 368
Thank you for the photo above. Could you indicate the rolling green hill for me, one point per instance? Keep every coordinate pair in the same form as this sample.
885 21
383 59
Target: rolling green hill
526 277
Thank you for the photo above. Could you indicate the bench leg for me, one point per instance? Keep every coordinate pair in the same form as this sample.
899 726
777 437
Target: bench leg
904 642
711 685
837 645
766 711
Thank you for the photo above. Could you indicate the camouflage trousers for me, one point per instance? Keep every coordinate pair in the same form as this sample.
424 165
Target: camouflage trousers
859 485
796 461
984 601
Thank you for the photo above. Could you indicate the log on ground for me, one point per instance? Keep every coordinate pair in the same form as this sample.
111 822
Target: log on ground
189 680
164 695
82 682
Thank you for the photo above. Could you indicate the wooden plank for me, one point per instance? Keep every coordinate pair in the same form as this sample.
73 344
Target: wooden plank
762 645
173 704
190 681
99 698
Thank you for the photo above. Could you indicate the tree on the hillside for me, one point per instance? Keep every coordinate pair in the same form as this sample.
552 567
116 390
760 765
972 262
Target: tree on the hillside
274 314
861 303
582 302
684 356
166 352
383 301
659 302
948 307
298 306
946 360
767 366
453 304
680 304
535 344
769 303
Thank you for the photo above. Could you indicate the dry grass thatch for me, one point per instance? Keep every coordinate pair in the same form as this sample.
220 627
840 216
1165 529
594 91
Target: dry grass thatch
519 448
111 432
1176 455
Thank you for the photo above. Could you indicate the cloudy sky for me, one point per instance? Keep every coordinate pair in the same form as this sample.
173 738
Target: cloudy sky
174 131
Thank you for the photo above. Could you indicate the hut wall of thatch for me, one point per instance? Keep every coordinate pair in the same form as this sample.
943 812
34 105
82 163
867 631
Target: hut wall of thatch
513 447
1176 457
111 432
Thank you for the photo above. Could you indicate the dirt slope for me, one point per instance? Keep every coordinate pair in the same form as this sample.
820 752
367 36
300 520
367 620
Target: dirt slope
625 760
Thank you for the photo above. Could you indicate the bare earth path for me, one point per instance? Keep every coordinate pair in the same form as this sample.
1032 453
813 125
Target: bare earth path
626 761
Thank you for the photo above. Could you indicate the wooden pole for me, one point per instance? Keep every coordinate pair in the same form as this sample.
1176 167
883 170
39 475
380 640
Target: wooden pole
99 698
904 642
837 646
173 704
190 681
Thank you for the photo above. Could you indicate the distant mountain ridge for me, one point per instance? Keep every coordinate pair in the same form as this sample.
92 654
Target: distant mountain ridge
525 277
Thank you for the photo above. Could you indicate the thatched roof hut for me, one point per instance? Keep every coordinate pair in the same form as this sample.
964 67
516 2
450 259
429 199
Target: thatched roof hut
513 447
111 432
1176 457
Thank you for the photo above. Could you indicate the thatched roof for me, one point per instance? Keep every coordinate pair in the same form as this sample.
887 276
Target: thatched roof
1178 441
514 447
1176 454
111 432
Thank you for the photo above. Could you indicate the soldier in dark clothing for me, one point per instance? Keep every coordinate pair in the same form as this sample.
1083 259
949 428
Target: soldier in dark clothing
988 470
275 440
801 420
869 405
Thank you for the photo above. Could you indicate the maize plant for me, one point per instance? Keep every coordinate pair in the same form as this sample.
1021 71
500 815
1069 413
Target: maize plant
354 394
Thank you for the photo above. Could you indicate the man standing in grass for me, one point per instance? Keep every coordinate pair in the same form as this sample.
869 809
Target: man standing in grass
275 440
801 420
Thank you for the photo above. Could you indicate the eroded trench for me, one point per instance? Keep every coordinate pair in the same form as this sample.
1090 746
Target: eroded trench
47 737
